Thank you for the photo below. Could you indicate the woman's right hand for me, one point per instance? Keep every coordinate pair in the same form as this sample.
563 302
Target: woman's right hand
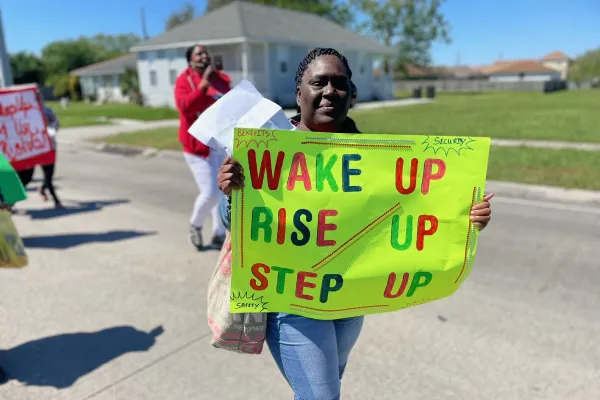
230 176
208 72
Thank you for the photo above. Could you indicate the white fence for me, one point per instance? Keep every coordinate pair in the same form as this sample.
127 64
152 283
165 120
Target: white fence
481 85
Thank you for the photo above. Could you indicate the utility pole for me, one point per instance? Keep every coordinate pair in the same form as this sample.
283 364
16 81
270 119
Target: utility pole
144 30
5 71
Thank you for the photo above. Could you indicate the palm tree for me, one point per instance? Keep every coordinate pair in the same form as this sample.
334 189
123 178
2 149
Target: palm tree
130 86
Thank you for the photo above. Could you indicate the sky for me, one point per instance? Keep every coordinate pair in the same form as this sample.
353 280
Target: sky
482 31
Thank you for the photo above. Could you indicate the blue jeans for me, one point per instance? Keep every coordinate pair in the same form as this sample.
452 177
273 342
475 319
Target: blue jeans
312 354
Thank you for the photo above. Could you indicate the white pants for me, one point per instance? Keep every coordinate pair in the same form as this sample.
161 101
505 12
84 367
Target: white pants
205 174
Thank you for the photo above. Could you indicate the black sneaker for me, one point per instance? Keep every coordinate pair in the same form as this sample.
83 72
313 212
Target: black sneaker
218 241
196 237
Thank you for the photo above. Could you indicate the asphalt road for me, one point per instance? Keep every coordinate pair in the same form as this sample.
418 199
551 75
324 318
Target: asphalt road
113 304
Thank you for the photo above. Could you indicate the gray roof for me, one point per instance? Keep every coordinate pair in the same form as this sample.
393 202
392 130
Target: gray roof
116 66
252 21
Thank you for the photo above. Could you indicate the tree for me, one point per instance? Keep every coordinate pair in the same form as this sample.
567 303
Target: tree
586 68
334 10
115 45
185 14
74 88
26 68
60 85
61 57
130 86
410 25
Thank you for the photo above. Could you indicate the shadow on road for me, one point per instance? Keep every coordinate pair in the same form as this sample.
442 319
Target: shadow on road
75 239
78 208
58 361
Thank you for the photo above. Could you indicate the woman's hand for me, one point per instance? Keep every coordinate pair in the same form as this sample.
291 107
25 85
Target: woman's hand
481 213
230 176
208 72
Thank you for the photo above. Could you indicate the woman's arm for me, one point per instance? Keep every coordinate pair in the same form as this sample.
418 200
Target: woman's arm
230 177
189 99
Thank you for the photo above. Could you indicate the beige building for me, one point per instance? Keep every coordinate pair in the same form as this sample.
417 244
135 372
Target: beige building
553 66
558 61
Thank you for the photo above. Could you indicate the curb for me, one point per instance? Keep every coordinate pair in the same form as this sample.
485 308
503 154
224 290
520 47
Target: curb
543 193
500 188
123 150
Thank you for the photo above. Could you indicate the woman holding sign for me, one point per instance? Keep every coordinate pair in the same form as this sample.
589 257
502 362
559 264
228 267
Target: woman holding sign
312 354
196 89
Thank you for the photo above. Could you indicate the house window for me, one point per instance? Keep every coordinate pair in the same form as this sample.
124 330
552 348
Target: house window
160 54
151 56
283 58
115 81
362 61
172 76
153 78
142 55
217 59
172 54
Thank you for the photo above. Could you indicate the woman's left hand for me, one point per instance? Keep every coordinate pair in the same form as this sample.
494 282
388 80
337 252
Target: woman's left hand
481 213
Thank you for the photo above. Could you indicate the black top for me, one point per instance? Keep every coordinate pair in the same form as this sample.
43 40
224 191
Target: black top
349 124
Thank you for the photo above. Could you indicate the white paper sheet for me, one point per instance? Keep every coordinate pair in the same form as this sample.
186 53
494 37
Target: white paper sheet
241 107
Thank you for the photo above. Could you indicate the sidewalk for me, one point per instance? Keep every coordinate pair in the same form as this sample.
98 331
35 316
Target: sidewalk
546 144
85 133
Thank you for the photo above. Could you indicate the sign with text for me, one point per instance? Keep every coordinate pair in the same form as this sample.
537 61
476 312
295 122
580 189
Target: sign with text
331 226
24 140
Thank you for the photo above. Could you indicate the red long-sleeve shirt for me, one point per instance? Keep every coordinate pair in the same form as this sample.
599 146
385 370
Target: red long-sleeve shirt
192 101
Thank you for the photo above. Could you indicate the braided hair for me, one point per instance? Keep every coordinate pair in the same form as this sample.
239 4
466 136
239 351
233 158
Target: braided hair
312 55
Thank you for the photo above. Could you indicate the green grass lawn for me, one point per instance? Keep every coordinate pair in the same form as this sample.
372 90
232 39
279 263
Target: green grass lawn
81 113
568 115
564 168
160 138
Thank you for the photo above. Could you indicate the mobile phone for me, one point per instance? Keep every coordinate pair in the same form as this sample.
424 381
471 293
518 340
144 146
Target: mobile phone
218 62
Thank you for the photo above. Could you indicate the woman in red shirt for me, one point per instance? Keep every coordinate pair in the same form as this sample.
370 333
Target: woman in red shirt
196 89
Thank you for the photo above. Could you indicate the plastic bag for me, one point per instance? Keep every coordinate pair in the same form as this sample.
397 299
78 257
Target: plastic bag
12 250
240 333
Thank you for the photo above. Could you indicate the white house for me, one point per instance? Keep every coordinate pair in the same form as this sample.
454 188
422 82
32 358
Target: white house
262 44
102 80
